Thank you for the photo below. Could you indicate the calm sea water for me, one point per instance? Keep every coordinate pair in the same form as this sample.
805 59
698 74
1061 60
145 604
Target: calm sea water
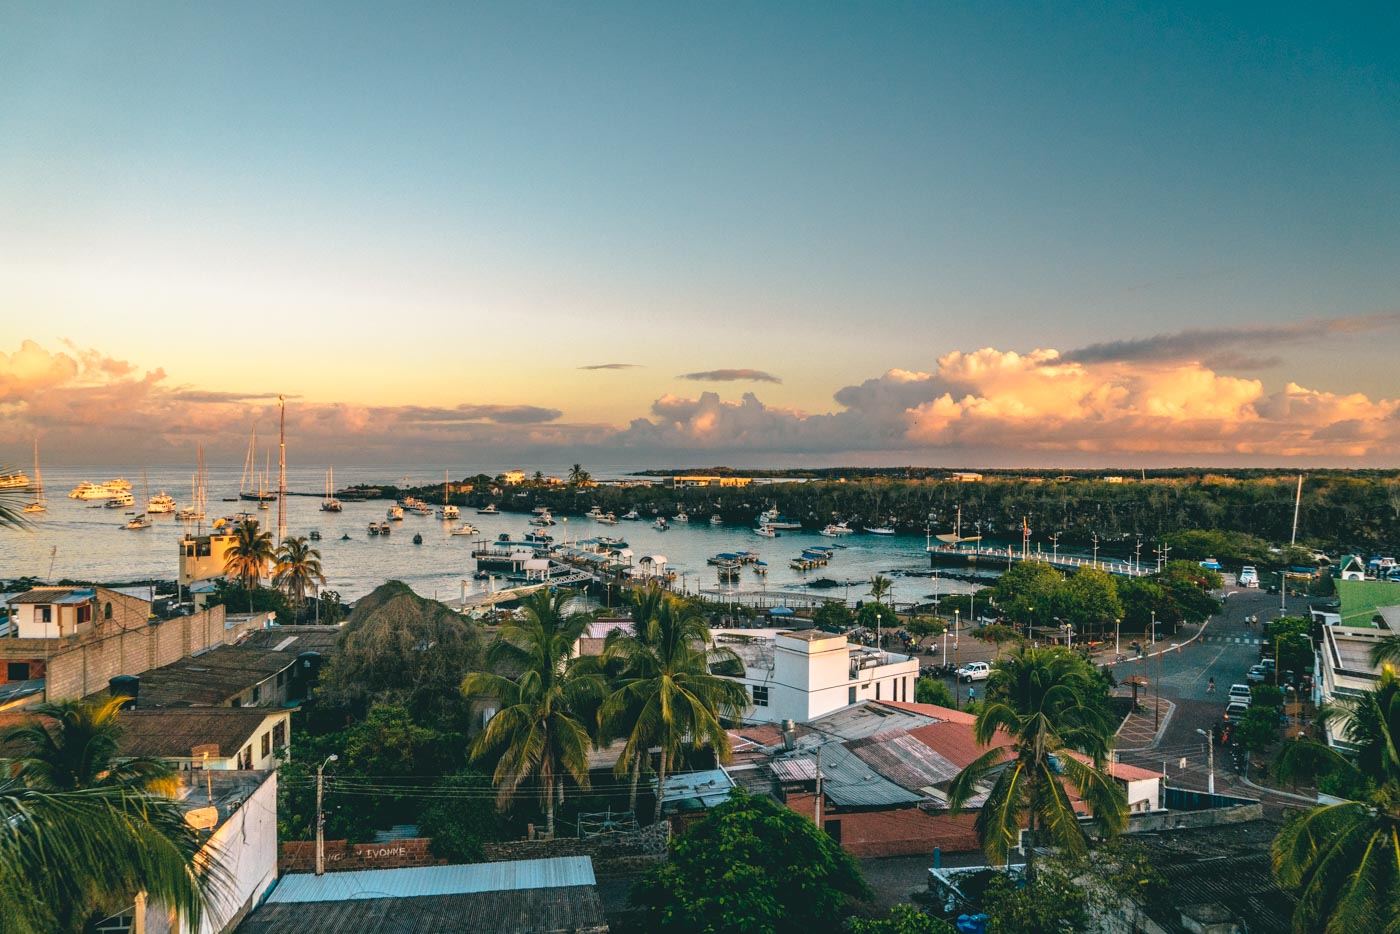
84 541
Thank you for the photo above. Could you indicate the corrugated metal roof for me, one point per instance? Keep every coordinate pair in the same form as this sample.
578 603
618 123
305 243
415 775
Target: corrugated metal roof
868 718
904 760
561 872
801 768
849 782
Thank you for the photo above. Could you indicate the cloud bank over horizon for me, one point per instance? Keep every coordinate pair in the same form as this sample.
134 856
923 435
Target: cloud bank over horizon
1105 404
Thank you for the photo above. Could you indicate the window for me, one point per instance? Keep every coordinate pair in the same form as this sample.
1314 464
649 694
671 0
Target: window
245 758
257 693
266 745
84 613
107 610
17 671
43 614
279 734
760 696
877 690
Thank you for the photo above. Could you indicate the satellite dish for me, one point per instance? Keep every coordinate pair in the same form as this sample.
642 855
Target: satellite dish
202 818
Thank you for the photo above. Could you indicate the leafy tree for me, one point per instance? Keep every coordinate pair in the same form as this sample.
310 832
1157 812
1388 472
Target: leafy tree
70 857
536 733
578 476
751 865
72 744
460 819
1266 695
400 648
901 919
1258 729
1343 860
922 626
933 691
1088 600
1027 592
832 616
1044 703
248 557
1050 903
875 616
997 635
667 697
298 568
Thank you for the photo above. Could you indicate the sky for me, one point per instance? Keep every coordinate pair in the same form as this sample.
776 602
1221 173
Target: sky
977 234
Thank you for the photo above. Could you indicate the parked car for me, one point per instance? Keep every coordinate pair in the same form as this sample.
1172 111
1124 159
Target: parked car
1240 693
974 671
1235 711
1257 675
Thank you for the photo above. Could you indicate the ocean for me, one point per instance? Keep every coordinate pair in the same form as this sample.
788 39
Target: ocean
81 540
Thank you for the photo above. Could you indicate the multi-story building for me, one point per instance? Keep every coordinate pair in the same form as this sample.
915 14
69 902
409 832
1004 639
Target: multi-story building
803 675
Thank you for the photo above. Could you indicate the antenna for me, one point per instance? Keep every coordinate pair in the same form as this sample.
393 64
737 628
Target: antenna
53 554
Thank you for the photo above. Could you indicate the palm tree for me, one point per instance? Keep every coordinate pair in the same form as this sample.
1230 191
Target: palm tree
249 555
578 476
1387 651
1343 860
298 567
667 694
1044 703
537 731
12 504
69 856
72 744
880 587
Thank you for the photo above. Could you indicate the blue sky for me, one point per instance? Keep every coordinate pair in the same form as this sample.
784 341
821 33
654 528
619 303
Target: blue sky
822 192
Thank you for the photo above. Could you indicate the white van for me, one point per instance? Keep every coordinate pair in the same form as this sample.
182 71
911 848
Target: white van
1249 577
1240 694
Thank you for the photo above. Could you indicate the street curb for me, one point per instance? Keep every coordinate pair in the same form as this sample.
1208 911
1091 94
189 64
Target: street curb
1157 737
1274 791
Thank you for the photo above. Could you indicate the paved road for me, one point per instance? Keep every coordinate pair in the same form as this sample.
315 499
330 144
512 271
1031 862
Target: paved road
1225 650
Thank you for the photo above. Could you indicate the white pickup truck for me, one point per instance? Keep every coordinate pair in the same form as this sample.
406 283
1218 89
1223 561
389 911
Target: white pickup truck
975 671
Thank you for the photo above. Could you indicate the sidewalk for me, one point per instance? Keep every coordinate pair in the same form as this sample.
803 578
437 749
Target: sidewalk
1140 730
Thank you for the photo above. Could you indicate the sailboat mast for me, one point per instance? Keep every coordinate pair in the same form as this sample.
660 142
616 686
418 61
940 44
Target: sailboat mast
282 471
1297 502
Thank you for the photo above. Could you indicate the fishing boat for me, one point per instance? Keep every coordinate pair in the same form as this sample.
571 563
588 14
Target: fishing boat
160 504
880 530
721 559
488 510
466 528
394 513
595 513
330 503
374 528
385 528
730 570
542 519
41 502
661 524
842 528
771 517
767 531
716 519
138 522
631 515
680 516
448 510
760 568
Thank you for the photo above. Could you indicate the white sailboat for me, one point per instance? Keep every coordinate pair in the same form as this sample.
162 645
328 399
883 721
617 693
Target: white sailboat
198 494
141 520
448 510
330 503
41 503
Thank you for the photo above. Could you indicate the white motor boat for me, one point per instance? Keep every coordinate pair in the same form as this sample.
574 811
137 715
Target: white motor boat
661 524
394 513
631 515
160 504
680 517
880 530
488 510
716 519
767 531
466 528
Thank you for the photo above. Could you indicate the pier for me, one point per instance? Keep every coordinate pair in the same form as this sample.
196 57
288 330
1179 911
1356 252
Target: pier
941 555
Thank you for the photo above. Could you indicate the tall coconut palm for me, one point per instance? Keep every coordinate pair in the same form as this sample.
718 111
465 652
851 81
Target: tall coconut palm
67 857
667 695
1041 704
298 567
72 744
880 587
537 732
249 555
1343 860
578 476
12 504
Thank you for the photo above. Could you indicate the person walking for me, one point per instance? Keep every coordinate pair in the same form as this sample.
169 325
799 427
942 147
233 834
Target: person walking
1210 686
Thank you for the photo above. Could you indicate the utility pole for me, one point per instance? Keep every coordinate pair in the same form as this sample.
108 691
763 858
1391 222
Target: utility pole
1137 562
321 817
1096 549
282 473
1210 776
818 811
1297 502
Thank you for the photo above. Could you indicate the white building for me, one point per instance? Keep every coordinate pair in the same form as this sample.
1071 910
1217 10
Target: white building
800 676
1344 667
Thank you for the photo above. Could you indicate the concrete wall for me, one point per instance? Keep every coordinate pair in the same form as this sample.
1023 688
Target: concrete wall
343 856
83 665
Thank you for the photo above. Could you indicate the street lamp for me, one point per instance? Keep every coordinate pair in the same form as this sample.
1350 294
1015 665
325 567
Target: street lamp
1210 745
1117 649
321 817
